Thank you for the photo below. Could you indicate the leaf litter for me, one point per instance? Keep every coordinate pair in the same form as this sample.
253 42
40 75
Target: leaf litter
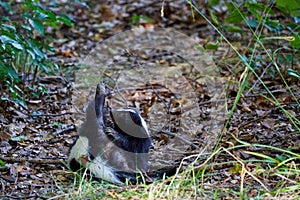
35 138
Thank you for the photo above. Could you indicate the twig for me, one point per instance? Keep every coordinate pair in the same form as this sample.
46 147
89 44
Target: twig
52 115
32 160
182 110
117 88
178 136
18 197
258 79
167 107
244 169
69 128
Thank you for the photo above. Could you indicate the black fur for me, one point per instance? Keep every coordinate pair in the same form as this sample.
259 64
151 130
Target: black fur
74 165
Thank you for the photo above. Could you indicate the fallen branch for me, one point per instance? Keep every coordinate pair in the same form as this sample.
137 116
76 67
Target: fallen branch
177 136
32 160
69 128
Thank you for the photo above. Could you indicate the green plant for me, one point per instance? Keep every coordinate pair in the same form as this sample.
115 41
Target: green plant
2 165
137 19
24 43
258 17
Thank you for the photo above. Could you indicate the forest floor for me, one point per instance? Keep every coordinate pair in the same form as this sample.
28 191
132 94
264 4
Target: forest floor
35 140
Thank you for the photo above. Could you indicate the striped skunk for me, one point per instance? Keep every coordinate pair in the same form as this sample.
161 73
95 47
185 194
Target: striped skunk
113 144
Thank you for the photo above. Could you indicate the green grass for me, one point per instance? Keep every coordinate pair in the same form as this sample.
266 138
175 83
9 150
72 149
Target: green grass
245 179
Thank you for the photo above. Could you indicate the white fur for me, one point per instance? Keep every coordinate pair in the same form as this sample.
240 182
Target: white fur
79 149
97 166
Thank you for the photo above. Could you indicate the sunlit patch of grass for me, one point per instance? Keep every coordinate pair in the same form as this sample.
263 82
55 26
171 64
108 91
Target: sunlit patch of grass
265 177
261 177
85 187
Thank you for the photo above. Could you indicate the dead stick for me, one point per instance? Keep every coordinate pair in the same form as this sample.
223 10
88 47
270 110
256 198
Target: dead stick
32 160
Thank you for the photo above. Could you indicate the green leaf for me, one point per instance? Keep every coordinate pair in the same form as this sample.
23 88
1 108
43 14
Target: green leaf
19 138
28 28
36 94
51 15
45 67
5 5
252 23
34 47
230 6
21 101
147 19
273 25
66 20
213 46
235 29
26 15
254 8
37 25
235 17
290 6
9 27
9 71
296 42
5 18
41 16
51 23
214 18
32 54
135 20
213 2
292 72
2 165
38 52
273 22
8 35
210 46
199 47
57 124
4 39
17 45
